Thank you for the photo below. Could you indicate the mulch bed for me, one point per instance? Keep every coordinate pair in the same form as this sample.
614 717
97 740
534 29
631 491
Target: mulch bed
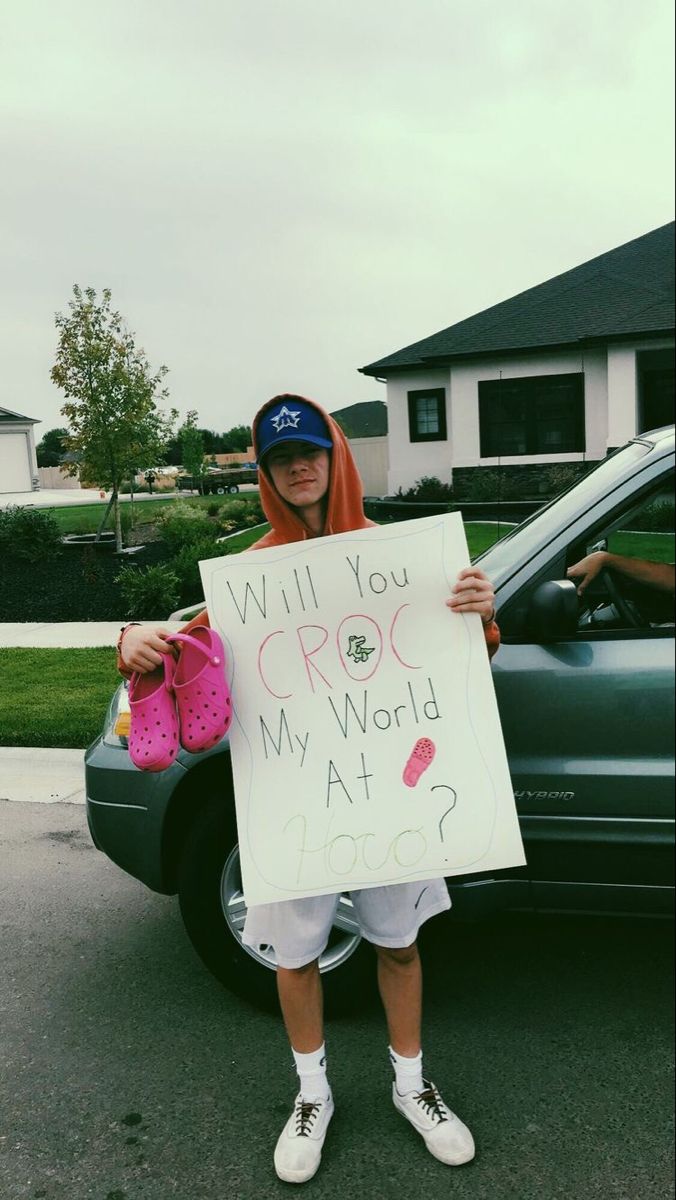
77 585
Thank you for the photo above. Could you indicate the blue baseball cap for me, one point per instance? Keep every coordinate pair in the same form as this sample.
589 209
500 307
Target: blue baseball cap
292 420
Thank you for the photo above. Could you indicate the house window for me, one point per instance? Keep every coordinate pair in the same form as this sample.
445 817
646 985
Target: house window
655 388
539 415
427 415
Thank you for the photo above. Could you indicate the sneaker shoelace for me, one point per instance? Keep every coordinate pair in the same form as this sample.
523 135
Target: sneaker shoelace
306 1114
434 1107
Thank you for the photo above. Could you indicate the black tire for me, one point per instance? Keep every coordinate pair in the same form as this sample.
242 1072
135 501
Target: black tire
208 872
232 488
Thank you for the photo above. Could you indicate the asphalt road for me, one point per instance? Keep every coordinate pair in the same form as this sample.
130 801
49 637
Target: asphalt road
129 1074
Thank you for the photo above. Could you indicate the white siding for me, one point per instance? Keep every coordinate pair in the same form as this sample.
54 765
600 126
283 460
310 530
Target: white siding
15 462
611 408
410 461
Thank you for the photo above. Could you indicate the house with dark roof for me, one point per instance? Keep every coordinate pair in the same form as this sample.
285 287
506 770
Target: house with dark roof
560 373
18 460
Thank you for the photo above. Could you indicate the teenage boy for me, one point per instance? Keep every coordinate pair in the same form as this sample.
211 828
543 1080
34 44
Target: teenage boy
310 487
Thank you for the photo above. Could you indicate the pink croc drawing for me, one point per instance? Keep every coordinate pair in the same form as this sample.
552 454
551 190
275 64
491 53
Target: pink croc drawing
418 761
153 736
201 689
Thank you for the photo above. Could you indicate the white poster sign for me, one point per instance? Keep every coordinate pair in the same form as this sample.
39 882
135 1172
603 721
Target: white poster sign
366 743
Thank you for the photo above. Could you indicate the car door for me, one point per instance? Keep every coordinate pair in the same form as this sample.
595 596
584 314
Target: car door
589 729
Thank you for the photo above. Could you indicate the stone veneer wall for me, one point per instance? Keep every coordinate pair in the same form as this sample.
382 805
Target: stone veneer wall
516 482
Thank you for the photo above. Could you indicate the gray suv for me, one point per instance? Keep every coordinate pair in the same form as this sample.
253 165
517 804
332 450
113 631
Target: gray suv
586 697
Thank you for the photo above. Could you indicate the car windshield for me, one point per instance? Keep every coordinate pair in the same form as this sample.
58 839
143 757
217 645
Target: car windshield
609 472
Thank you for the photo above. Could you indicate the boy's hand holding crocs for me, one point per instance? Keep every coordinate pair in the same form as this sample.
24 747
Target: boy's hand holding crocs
473 593
142 647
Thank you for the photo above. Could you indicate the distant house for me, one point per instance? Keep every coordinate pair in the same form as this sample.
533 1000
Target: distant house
367 418
18 460
560 373
365 426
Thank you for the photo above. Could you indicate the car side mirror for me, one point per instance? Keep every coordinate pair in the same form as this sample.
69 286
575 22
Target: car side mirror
553 611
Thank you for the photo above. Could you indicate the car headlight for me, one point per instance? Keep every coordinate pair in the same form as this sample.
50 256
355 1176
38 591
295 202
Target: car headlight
118 719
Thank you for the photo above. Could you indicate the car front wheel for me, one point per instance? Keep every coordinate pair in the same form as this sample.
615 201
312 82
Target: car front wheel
214 911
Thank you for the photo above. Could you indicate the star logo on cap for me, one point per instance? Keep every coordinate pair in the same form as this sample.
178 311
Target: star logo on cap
285 419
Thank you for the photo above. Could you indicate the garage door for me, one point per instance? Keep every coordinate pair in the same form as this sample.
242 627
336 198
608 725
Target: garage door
15 472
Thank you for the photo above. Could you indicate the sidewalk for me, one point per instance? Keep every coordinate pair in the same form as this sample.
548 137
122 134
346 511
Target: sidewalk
58 497
70 633
41 776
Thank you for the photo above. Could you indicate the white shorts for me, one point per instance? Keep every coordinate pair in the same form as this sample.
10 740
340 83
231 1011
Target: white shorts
388 916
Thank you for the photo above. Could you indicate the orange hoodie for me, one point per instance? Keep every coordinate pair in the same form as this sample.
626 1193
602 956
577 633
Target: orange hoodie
345 507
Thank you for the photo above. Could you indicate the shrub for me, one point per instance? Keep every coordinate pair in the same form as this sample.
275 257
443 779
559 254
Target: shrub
148 592
186 564
657 517
29 533
213 510
483 484
233 510
562 476
182 524
429 489
128 488
256 510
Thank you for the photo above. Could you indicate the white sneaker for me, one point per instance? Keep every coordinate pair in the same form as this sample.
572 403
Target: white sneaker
298 1152
442 1132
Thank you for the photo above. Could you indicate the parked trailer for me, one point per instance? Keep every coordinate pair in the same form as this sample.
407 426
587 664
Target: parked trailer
219 483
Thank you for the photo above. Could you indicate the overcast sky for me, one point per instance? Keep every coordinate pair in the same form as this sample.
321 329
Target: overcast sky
281 191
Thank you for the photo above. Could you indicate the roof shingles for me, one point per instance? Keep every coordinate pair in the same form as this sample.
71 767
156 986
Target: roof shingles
625 291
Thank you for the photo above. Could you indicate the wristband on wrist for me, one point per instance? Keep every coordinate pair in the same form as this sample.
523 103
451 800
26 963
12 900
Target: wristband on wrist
489 620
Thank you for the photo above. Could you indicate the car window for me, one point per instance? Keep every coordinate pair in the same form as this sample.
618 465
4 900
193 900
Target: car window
606 475
643 532
642 528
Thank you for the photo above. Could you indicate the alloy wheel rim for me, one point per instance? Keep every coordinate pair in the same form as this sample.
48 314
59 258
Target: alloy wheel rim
345 935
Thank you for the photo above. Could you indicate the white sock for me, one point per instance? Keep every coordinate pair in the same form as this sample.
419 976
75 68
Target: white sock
408 1075
311 1069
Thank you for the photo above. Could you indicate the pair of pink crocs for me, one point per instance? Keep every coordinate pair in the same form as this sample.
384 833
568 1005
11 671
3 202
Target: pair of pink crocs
185 703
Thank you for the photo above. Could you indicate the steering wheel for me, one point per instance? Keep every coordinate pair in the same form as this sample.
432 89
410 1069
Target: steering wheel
625 608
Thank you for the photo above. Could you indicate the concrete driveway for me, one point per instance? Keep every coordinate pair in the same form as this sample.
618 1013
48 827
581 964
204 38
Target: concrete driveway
47 498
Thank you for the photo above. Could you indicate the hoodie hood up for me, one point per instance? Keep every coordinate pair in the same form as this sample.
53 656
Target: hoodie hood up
345 507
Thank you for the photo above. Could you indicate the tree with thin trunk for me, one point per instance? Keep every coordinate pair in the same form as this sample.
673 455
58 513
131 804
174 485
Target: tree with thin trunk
115 426
192 449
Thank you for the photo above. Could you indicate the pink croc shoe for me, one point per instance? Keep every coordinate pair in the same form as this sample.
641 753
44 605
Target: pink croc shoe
201 689
153 737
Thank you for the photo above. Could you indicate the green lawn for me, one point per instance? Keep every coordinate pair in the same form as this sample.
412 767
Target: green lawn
54 697
657 547
240 541
480 535
86 518
483 534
